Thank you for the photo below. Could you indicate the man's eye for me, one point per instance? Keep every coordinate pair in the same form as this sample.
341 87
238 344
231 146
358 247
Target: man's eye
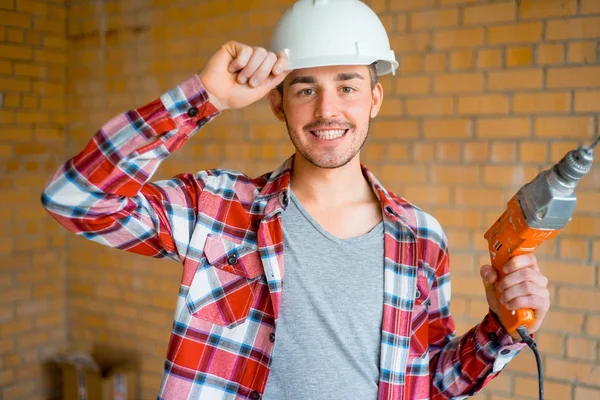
347 89
307 92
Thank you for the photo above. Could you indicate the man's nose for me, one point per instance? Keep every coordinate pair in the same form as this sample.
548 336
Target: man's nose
327 106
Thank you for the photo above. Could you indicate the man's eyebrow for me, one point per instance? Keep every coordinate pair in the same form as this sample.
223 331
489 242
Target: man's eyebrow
345 76
348 76
303 79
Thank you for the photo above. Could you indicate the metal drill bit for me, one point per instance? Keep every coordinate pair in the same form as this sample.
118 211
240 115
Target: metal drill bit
595 142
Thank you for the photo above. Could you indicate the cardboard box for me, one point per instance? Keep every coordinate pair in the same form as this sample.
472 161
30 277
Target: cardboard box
83 378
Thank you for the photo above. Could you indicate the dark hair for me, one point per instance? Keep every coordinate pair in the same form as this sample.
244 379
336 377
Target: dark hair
372 73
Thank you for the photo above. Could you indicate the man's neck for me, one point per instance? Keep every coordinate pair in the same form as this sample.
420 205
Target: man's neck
330 188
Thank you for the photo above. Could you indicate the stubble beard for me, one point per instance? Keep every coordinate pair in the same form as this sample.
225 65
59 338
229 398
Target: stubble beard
323 162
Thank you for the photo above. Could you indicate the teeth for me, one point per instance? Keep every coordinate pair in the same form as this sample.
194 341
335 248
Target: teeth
330 134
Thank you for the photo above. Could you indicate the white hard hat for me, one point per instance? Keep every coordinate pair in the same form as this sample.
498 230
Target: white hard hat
317 33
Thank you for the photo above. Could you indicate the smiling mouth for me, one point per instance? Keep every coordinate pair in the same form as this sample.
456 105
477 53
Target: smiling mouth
329 134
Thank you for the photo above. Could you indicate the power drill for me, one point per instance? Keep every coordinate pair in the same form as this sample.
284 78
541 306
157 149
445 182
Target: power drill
537 212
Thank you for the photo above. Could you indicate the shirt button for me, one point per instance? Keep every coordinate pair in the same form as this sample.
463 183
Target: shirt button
418 294
192 112
255 395
201 122
285 200
272 337
494 338
232 259
505 352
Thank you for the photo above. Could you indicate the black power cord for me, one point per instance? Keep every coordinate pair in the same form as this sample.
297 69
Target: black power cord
531 343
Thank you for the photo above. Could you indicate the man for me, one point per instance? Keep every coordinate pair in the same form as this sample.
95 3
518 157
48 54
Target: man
309 282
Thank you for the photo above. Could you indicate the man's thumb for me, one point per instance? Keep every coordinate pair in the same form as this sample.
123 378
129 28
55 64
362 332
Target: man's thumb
489 276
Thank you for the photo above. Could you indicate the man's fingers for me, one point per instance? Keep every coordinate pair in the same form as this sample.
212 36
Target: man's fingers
522 292
535 302
240 53
264 70
519 262
256 59
522 275
281 63
489 275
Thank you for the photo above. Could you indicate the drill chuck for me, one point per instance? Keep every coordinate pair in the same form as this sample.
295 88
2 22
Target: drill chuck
574 165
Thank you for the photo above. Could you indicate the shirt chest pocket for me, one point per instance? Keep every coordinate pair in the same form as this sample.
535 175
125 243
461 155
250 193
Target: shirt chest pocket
224 285
420 318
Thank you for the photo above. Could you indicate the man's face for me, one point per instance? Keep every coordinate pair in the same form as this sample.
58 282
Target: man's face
327 111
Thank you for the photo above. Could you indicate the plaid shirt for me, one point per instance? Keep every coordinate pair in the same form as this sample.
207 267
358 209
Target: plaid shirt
225 229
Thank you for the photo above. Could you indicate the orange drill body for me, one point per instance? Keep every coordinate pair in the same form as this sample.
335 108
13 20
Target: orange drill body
510 236
537 212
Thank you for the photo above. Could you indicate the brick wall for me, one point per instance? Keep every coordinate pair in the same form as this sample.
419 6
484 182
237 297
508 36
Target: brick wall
488 94
33 325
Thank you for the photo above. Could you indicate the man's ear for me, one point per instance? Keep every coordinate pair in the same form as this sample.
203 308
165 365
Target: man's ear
376 99
276 102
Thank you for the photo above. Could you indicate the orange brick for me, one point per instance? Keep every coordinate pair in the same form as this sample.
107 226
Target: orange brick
573 28
263 18
582 52
579 298
449 174
562 321
590 7
480 198
50 57
435 62
430 106
36 71
537 9
472 37
593 325
574 249
32 7
410 42
401 23
57 42
15 35
475 152
411 64
458 83
404 173
489 58
564 127
582 393
10 328
454 218
489 13
447 128
423 151
541 102
513 175
448 151
504 152
412 85
411 5
583 372
5 68
266 132
581 348
434 19
533 152
462 59
426 194
391 107
30 101
396 151
515 33
550 54
405 129
563 272
12 101
587 101
503 128
16 52
510 80
518 56
573 77
485 104
17 19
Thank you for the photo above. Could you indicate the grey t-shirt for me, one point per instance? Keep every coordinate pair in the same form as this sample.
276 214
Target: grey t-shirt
328 334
